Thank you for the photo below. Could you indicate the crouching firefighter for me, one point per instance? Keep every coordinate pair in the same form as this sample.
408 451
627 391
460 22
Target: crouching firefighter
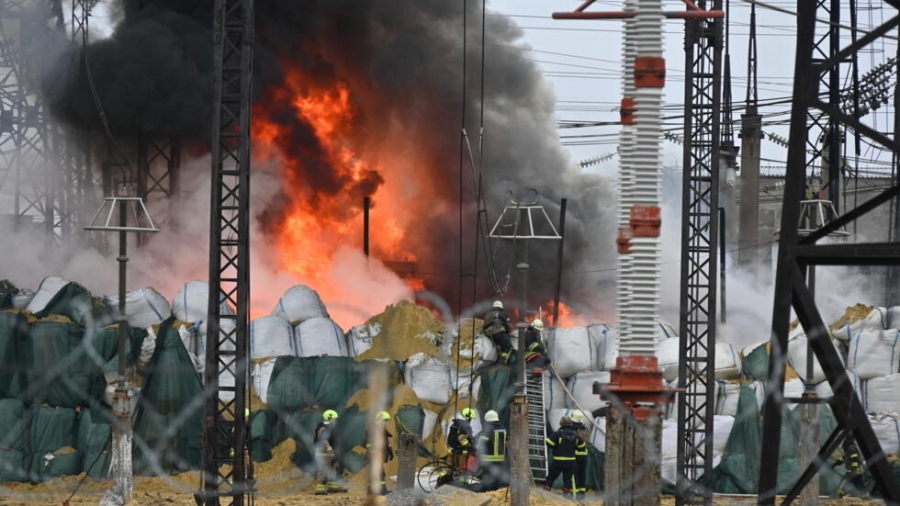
497 328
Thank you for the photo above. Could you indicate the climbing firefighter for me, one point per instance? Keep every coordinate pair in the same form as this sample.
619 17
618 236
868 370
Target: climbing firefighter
492 452
460 441
581 456
327 459
535 352
381 421
564 443
497 327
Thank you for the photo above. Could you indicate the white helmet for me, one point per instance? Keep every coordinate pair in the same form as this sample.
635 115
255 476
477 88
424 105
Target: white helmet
577 417
491 416
538 324
498 304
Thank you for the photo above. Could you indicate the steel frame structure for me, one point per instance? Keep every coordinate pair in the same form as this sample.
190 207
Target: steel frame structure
699 258
26 148
796 254
227 468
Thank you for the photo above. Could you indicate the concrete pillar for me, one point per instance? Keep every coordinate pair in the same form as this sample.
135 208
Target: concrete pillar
633 456
520 470
407 451
751 129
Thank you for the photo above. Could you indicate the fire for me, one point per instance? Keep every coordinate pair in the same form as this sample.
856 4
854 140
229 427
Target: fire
568 317
312 134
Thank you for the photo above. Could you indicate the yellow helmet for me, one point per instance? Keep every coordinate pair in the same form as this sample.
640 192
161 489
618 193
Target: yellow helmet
383 415
329 415
469 413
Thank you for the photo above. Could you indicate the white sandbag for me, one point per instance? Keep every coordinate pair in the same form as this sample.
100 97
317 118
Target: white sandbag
669 450
877 318
667 353
882 394
824 389
359 338
191 303
582 387
798 349
21 299
462 382
728 362
145 307
571 350
320 337
428 423
300 303
598 433
429 378
727 395
226 379
148 347
554 393
554 416
260 376
887 430
793 389
874 353
271 336
604 337
49 287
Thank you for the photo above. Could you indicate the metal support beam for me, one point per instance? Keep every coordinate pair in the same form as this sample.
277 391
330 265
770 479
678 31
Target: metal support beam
791 291
226 475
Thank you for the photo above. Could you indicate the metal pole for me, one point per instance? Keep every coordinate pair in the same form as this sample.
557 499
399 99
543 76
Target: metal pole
722 243
366 204
559 260
121 457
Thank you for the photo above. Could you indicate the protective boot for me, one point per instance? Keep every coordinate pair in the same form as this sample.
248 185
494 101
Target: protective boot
320 489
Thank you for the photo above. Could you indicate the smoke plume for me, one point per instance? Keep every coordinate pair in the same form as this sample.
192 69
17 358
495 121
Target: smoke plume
416 80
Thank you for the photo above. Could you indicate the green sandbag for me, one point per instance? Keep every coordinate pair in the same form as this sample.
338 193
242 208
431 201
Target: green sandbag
62 463
76 303
756 364
14 424
299 383
12 465
94 443
52 430
14 332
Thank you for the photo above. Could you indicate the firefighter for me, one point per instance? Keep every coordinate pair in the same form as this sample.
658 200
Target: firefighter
460 441
327 459
581 456
497 328
381 420
535 352
564 443
492 452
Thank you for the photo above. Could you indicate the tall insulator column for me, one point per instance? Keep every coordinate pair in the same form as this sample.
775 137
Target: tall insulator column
626 148
644 189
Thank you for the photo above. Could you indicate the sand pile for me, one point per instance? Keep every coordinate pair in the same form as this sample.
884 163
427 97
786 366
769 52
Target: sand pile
406 329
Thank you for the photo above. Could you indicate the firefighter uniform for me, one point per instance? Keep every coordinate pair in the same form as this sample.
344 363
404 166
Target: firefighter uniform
564 443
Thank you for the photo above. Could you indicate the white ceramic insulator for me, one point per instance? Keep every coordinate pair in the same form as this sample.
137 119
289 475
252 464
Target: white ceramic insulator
644 163
626 148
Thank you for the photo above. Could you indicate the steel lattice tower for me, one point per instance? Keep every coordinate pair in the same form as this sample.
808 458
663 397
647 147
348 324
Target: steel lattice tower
699 239
227 470
26 148
812 84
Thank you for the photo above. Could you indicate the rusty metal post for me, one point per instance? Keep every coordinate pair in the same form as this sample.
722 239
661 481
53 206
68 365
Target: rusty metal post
406 453
520 471
634 430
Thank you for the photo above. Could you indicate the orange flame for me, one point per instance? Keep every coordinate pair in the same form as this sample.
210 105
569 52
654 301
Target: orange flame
568 317
310 134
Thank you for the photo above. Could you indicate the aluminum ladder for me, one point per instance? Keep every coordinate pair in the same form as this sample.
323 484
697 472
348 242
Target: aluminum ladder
537 425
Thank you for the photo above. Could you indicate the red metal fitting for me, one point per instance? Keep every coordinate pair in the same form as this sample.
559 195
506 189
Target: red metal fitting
623 241
645 221
627 110
649 72
637 379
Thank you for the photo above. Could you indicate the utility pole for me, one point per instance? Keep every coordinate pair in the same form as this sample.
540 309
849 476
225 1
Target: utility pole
751 134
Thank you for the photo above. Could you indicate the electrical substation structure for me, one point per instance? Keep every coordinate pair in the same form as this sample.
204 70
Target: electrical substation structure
811 117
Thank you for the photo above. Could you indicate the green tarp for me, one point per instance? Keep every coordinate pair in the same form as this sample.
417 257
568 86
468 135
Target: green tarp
168 423
498 385
14 424
7 293
13 342
299 383
76 303
52 430
95 443
756 364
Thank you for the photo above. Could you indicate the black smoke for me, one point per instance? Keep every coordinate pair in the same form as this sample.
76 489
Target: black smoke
406 66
